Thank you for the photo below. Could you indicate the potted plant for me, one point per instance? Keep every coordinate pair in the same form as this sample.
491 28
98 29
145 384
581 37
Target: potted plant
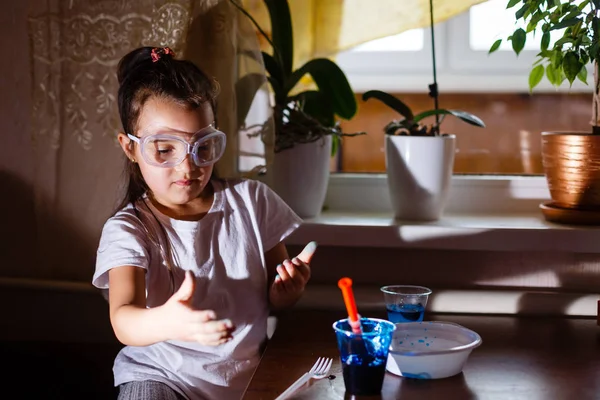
570 159
419 158
306 130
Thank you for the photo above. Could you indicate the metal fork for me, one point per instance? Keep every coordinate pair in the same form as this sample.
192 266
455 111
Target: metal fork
318 371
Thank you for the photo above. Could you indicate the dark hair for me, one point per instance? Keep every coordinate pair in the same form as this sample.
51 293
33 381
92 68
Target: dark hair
152 72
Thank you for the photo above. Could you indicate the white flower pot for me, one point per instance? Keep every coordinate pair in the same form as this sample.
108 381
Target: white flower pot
301 176
419 170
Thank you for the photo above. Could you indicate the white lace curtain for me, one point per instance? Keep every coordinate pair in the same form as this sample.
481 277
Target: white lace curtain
75 48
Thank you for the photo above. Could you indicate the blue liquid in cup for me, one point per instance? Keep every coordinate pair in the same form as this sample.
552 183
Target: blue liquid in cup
364 376
364 356
405 313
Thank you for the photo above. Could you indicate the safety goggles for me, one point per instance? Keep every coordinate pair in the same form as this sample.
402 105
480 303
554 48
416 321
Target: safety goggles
168 150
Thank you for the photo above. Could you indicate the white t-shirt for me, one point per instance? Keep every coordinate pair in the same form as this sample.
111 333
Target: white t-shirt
225 250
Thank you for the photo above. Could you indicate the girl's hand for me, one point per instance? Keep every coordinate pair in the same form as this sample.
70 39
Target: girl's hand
192 325
289 284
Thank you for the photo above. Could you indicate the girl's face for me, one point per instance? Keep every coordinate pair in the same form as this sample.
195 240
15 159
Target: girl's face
177 186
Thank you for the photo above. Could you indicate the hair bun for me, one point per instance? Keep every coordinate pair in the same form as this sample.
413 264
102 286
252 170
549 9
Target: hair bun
139 58
158 52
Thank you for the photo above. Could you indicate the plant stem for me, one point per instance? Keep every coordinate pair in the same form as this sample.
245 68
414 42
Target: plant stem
433 89
596 102
596 98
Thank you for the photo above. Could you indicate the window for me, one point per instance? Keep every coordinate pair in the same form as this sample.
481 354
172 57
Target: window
385 62
463 63
493 87
485 29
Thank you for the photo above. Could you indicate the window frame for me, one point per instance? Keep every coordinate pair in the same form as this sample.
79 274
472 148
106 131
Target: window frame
387 70
460 69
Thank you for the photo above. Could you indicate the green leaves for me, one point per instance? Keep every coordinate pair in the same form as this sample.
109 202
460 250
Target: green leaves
565 23
410 124
307 115
577 30
512 3
495 46
335 96
571 66
463 115
518 40
545 41
316 104
393 102
273 68
582 75
553 74
281 33
522 11
535 76
332 81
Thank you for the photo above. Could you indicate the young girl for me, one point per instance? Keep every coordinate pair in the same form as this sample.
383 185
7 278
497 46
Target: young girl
193 264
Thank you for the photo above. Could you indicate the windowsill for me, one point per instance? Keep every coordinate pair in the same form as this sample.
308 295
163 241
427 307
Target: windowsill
483 213
516 232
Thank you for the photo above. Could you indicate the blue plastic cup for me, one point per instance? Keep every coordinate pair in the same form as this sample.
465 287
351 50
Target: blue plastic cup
364 355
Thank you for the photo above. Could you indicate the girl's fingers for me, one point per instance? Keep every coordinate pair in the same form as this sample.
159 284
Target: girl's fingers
222 341
308 252
206 315
302 268
293 275
291 269
297 279
216 327
212 339
284 278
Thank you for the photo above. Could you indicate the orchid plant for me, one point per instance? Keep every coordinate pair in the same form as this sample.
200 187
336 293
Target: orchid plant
309 115
413 125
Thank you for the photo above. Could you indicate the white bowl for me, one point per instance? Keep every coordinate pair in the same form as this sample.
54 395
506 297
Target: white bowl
430 350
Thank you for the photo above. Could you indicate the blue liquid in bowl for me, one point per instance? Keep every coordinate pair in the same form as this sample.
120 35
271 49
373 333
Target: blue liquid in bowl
405 313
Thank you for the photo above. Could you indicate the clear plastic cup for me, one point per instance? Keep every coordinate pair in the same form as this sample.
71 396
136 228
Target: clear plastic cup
405 303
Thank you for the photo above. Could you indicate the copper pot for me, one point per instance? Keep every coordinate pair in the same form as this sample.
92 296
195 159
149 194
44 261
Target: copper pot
572 166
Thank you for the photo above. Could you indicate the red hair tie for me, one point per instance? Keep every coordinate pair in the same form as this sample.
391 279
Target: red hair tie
158 51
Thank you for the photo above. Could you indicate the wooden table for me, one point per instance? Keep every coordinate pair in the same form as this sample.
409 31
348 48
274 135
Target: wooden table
520 358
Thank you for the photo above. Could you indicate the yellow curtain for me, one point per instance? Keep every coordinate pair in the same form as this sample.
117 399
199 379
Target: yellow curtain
322 28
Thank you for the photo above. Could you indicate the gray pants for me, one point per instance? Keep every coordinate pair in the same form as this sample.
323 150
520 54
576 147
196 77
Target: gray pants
147 390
